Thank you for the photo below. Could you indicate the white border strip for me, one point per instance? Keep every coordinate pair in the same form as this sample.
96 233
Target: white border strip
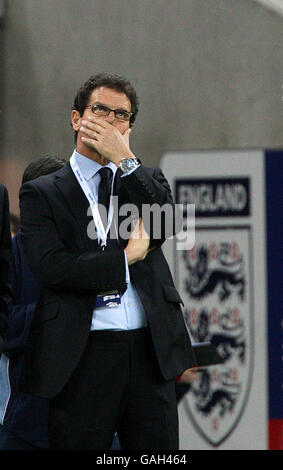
275 5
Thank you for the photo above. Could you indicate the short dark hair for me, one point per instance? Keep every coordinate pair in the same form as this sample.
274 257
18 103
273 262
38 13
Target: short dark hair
42 166
112 81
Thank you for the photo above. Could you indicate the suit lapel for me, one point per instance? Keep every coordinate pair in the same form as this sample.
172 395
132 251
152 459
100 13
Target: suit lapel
78 205
76 201
118 190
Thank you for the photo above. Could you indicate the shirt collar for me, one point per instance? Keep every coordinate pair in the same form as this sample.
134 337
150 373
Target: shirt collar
89 167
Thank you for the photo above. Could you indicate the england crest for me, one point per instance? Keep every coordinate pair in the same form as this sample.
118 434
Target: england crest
215 282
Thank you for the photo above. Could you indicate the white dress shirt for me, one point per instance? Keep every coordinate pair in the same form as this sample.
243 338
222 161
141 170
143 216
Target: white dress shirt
130 313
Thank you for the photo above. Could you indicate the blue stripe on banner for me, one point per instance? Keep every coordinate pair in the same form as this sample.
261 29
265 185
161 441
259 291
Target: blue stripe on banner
274 236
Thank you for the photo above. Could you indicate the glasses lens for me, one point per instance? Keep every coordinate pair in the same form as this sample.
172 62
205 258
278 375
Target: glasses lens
122 115
100 110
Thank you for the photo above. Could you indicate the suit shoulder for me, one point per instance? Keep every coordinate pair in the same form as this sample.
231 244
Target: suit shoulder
3 190
46 181
152 171
4 198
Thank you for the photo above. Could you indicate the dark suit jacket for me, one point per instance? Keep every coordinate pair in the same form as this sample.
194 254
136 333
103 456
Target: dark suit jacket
5 259
71 269
25 416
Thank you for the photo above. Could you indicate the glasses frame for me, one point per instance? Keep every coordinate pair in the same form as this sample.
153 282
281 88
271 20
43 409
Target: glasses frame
91 106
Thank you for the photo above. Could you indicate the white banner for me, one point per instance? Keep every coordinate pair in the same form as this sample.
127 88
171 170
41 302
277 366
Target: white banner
222 282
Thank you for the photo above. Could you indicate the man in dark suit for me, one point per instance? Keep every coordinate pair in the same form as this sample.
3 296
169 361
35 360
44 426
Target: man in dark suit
108 335
5 258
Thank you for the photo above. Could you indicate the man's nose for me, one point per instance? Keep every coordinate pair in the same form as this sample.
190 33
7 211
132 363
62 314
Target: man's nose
111 117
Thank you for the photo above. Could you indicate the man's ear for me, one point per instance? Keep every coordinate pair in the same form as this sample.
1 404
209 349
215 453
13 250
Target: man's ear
76 120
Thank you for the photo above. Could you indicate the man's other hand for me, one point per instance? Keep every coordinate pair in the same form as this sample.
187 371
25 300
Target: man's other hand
189 375
138 244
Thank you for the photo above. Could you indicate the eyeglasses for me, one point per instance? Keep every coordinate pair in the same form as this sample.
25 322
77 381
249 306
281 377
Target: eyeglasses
102 110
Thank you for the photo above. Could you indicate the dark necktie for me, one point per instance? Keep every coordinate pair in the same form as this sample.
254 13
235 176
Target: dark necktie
104 191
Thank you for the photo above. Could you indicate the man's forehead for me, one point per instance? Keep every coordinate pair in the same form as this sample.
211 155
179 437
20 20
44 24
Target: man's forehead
110 97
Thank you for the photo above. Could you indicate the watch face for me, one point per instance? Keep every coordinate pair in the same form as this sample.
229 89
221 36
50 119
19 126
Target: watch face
127 164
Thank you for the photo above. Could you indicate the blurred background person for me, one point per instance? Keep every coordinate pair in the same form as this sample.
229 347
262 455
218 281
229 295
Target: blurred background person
14 224
23 417
5 257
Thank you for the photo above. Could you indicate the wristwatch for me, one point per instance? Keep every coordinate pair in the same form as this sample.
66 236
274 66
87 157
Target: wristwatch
128 164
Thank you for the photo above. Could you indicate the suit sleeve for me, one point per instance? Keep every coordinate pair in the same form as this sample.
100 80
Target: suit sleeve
5 260
20 318
51 263
151 193
22 306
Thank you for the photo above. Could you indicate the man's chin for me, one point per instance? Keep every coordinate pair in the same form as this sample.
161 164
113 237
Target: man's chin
87 149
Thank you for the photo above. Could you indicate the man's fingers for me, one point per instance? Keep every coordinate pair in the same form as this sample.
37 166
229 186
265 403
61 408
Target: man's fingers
89 133
136 231
101 123
91 126
127 135
139 232
144 233
94 129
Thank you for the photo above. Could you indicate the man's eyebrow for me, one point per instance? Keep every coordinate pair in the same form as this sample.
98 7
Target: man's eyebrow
99 102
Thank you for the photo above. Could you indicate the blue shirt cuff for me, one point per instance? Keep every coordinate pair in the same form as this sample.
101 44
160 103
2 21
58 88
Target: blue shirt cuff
129 172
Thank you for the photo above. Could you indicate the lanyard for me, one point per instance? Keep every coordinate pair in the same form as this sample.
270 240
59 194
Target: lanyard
101 232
